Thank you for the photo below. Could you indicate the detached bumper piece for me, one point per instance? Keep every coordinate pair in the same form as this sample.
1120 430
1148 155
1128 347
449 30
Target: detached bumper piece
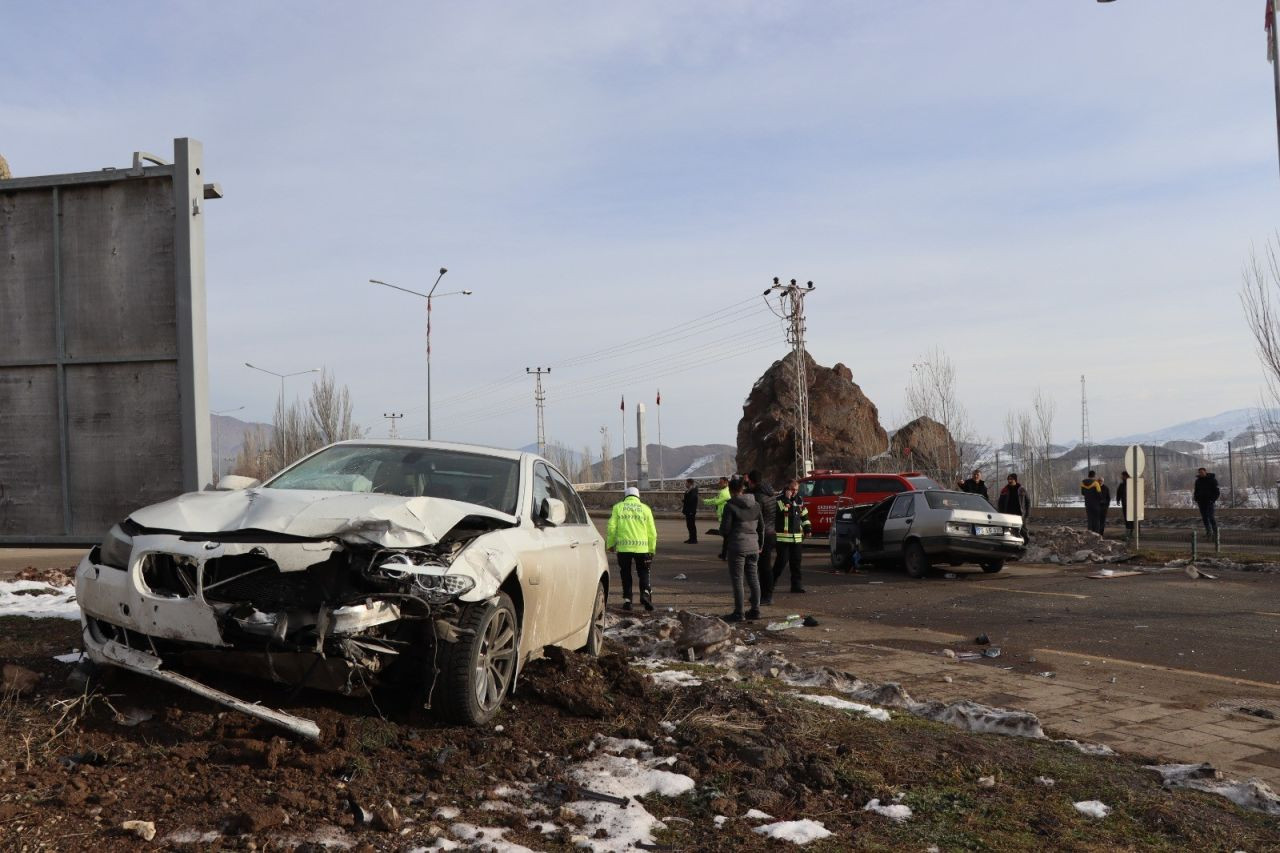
142 663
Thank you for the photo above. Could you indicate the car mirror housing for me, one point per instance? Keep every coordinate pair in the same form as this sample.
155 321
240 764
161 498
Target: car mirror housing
232 482
553 512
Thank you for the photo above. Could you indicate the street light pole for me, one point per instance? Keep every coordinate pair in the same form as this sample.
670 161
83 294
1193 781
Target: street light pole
283 376
429 295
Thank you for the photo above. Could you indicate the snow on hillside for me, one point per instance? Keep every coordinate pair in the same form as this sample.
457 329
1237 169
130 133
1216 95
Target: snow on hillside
1229 424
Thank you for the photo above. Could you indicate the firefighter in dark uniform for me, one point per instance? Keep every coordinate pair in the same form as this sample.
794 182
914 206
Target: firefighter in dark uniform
791 524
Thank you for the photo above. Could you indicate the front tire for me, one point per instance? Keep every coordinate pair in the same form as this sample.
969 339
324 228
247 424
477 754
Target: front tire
914 560
992 566
478 670
595 637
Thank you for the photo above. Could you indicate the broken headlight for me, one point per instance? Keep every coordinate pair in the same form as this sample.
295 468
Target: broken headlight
429 580
116 548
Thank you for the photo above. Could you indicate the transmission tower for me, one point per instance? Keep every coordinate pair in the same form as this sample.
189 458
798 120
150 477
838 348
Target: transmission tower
540 398
393 417
1084 425
791 302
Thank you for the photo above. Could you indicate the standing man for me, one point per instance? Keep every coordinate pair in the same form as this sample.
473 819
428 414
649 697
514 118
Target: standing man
975 486
765 499
1015 501
790 525
1122 498
1091 491
742 528
690 510
634 536
1103 506
1206 494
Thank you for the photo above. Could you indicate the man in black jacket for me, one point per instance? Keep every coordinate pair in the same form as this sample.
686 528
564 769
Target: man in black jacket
975 486
1122 498
690 510
1015 501
1091 491
1205 494
764 496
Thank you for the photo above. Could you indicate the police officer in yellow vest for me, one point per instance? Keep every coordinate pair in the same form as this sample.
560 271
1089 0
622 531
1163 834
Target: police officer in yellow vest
791 524
634 536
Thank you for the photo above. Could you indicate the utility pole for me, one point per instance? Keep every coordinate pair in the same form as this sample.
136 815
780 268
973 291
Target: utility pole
1084 425
393 417
791 301
661 472
540 399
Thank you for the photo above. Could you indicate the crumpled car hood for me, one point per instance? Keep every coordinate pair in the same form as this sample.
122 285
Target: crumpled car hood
390 521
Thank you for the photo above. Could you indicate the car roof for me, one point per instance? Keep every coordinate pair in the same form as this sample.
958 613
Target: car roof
499 452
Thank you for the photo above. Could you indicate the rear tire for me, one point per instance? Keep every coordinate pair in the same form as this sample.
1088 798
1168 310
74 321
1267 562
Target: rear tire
914 560
476 672
993 566
595 637
841 560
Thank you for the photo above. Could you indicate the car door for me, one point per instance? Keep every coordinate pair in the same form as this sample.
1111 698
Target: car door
550 566
586 550
871 530
896 527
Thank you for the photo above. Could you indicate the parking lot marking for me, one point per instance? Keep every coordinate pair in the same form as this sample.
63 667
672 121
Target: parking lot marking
1031 591
1270 685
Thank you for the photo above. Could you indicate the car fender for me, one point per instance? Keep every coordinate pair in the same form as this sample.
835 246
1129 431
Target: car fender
490 560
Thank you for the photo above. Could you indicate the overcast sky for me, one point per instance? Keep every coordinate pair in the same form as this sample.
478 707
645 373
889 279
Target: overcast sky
1040 189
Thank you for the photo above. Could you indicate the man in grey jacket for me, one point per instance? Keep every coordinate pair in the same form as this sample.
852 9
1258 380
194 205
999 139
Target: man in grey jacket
742 527
765 497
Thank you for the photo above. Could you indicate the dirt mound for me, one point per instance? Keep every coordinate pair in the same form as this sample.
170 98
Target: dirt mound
53 577
1062 544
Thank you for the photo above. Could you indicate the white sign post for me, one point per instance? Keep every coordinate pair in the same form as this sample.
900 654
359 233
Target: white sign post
1135 462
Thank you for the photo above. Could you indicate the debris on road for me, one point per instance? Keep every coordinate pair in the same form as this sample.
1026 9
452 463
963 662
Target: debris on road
1062 545
1105 574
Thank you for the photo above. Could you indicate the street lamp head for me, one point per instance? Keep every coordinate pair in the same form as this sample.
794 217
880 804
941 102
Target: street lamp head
467 292
811 285
443 270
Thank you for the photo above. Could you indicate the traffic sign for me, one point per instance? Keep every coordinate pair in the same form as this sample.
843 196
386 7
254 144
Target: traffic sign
1135 461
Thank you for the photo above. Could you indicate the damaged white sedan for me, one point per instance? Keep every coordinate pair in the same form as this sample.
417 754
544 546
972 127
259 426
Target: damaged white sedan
440 567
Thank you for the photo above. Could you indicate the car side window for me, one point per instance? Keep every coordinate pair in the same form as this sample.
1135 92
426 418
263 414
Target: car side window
879 485
575 512
828 487
806 488
903 507
542 487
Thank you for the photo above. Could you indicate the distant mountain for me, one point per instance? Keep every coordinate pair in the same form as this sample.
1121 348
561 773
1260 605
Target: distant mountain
1204 430
227 437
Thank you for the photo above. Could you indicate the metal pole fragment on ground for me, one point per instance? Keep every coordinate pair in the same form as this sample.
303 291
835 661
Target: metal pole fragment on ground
1193 545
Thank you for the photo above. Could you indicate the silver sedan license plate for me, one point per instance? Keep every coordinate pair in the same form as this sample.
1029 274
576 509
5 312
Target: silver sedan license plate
988 531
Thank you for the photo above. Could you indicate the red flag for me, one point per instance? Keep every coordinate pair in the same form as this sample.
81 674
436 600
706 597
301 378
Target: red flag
623 407
659 397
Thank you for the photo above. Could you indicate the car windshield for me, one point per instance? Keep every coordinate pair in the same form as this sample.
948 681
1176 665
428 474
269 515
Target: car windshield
921 484
410 472
957 500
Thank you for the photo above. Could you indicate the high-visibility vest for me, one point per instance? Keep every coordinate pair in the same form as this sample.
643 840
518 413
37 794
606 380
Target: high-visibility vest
631 529
793 520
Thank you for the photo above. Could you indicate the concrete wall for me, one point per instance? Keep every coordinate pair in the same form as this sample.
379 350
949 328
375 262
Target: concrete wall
103 400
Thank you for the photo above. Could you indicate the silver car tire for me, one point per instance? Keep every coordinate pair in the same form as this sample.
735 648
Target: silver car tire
595 637
480 667
992 566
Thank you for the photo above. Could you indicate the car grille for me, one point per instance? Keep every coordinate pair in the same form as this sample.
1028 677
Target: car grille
256 579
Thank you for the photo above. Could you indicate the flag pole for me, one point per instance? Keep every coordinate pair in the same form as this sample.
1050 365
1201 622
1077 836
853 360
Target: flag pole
1275 64
623 407
661 472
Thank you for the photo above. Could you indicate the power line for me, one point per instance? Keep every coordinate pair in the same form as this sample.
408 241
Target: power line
792 298
393 417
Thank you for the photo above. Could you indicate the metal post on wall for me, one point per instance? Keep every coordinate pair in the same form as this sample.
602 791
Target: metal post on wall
1231 477
1155 477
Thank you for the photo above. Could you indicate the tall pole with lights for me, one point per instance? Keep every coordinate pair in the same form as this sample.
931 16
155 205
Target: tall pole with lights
429 295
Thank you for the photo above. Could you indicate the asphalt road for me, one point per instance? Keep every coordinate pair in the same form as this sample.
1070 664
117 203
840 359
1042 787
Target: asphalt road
1227 628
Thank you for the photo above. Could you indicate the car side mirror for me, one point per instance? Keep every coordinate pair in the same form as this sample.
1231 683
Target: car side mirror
232 482
552 512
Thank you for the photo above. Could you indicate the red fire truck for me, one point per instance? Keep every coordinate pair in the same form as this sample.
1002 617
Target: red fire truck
823 491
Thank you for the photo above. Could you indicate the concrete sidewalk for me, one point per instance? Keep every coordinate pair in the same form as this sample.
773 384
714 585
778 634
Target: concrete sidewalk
1132 708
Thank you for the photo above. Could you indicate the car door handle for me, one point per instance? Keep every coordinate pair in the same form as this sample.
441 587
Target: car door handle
574 544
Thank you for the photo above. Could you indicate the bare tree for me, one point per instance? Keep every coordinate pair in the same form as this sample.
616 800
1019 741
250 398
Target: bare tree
299 429
606 456
1045 408
931 393
1260 296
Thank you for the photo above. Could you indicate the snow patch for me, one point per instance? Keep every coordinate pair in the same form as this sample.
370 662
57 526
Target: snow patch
756 814
488 838
1087 748
1254 795
674 678
38 600
1093 808
845 705
976 717
896 812
795 831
